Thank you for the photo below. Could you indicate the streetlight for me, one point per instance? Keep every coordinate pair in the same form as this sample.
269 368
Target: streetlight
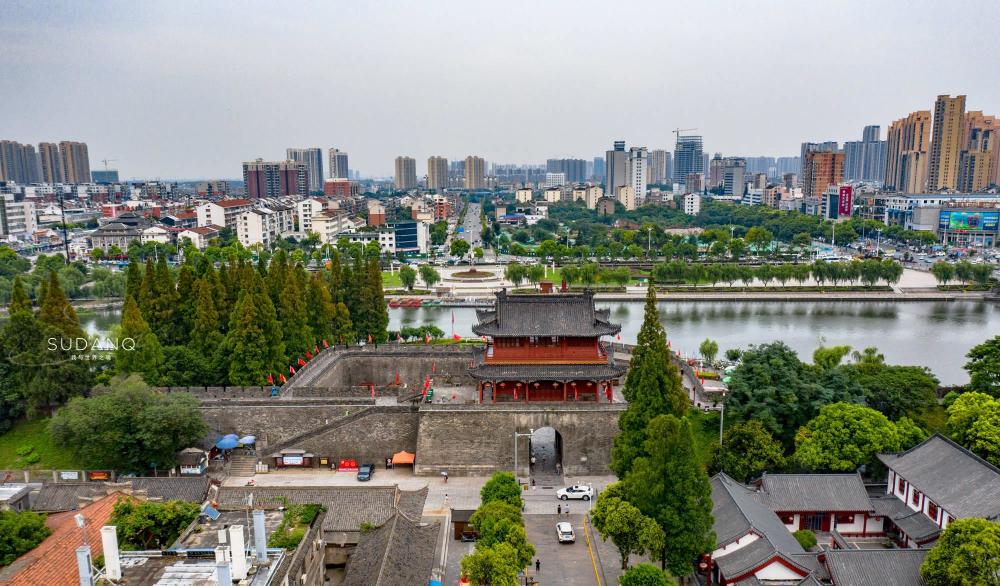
517 435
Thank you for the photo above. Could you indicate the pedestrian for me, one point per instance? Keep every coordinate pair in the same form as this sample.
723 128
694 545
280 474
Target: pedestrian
559 509
567 509
538 565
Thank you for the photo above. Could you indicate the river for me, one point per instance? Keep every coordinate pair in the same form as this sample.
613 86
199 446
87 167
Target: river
933 334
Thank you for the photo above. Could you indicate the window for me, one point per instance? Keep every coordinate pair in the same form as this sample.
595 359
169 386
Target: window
845 519
788 519
915 499
901 486
932 510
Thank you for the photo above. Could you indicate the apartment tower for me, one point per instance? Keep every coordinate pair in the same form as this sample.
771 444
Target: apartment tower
437 173
75 161
946 143
821 170
313 159
338 164
475 172
406 173
906 159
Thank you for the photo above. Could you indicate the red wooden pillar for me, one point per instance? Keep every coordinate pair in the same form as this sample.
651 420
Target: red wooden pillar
480 392
527 397
564 383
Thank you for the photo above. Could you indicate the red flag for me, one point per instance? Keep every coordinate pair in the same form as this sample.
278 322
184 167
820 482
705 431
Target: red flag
315 349
456 337
291 369
427 338
369 338
309 355
283 379
373 391
270 379
302 362
618 337
396 381
325 344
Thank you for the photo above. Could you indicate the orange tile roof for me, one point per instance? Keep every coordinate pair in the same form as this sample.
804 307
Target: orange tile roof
53 562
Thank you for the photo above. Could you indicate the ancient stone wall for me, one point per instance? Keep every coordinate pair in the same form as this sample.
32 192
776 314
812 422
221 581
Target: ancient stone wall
272 423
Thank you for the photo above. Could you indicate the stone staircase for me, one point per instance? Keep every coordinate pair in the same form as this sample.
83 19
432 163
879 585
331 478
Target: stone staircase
243 465
295 439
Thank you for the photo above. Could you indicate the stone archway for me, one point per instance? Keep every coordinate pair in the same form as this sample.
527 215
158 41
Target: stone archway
546 452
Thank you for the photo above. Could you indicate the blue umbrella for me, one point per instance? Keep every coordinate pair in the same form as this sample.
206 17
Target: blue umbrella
230 436
248 439
227 443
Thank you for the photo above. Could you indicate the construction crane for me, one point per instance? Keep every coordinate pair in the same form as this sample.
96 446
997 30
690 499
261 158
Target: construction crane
106 161
678 131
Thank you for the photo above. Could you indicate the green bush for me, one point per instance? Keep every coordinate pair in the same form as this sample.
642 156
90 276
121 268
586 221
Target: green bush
806 538
24 450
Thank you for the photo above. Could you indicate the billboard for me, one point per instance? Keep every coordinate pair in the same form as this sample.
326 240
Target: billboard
846 200
969 221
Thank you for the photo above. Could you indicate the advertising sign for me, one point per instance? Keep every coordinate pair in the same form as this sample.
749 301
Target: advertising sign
846 200
69 475
969 221
98 475
291 460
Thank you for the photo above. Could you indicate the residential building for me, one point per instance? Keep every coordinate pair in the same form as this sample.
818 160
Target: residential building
212 189
442 207
385 238
222 213
51 162
976 120
18 219
313 159
574 170
331 223
338 164
625 195
104 176
691 204
341 188
552 194
907 144
406 173
694 183
733 179
114 234
598 168
275 178
437 173
265 224
821 170
200 236
376 213
156 233
75 161
829 146
19 163
772 196
523 195
306 209
616 161
475 172
658 171
975 161
689 157
946 143
555 179
716 168
638 158
864 160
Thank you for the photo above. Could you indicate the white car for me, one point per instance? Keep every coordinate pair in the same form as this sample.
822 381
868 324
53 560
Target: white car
579 492
564 531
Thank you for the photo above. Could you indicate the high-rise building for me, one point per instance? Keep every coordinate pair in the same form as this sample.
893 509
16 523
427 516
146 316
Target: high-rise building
638 157
51 162
574 169
694 183
974 166
406 173
75 162
864 160
946 142
975 120
626 195
715 170
313 159
338 165
658 172
906 153
104 175
437 173
829 146
689 157
598 171
822 169
733 175
19 162
616 171
275 178
475 172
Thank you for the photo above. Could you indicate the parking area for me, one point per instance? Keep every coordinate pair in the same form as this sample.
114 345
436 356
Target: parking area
561 563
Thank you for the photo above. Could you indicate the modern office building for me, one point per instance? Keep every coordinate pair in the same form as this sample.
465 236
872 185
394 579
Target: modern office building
338 164
616 170
313 159
907 143
437 173
75 162
658 171
51 162
475 172
821 170
946 142
406 173
733 175
275 178
638 159
689 157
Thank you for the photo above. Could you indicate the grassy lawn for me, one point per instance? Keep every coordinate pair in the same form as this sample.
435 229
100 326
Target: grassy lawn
36 434
705 426
391 279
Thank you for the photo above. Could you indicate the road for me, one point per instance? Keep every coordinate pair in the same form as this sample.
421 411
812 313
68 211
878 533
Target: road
473 229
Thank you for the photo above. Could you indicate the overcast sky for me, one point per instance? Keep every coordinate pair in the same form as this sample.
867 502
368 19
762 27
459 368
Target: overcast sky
190 89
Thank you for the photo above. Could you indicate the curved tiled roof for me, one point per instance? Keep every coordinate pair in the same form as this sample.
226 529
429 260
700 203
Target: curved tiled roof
566 315
814 492
531 372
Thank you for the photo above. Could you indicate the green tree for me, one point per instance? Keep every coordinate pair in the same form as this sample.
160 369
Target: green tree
408 277
498 522
321 309
747 451
760 239
145 525
984 367
974 422
129 428
709 349
138 349
343 329
896 390
830 357
652 387
806 538
492 566
843 437
966 554
645 575
668 484
429 275
459 247
20 532
254 340
502 486
515 273
293 315
626 527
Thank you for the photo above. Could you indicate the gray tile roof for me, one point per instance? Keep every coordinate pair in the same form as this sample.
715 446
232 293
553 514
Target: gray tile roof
399 553
530 372
914 524
960 482
184 488
545 315
875 567
814 492
63 496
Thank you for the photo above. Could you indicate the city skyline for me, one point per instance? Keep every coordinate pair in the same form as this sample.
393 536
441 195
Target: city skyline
211 111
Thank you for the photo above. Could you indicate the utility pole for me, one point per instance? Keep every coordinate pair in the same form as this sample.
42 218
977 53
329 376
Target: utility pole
62 212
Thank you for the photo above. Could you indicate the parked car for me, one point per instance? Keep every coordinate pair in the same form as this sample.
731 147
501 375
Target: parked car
564 531
365 472
579 492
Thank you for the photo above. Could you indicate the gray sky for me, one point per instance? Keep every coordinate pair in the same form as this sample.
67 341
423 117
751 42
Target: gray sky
185 89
